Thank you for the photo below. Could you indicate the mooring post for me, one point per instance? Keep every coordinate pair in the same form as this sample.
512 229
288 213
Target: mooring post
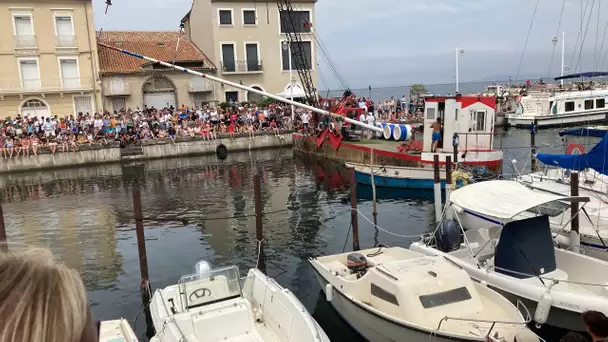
437 188
448 178
575 238
259 229
374 212
533 145
141 239
3 241
354 215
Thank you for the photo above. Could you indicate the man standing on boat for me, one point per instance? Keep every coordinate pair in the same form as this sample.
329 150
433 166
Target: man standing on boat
436 126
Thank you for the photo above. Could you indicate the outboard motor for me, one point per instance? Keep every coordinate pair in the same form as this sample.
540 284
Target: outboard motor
357 264
202 269
448 237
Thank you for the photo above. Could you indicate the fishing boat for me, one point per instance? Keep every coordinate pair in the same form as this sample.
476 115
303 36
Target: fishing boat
396 176
394 294
216 305
502 237
550 107
117 330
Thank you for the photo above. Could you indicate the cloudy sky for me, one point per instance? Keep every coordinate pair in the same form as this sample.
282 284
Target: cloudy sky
400 42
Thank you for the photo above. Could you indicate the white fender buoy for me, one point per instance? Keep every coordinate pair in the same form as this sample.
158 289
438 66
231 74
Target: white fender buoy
329 292
543 308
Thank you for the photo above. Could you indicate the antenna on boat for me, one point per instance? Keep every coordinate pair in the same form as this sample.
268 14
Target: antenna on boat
243 87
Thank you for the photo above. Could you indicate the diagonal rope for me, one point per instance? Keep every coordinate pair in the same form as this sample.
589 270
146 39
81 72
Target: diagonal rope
527 38
181 32
108 4
584 37
557 35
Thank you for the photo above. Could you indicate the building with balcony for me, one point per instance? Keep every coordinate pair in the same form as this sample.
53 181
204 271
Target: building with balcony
48 58
130 82
246 40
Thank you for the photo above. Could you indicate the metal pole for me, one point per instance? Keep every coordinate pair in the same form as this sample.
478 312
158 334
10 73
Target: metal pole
354 215
259 229
141 239
291 81
3 241
533 145
242 87
457 60
575 239
563 51
448 178
375 212
437 188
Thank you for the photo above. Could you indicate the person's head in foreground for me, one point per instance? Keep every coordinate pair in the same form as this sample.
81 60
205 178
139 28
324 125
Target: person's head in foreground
41 300
596 324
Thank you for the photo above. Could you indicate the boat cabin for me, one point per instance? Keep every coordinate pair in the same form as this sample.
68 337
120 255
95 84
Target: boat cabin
470 117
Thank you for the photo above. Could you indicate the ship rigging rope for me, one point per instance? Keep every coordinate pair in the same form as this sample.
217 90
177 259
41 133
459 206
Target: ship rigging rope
580 32
559 24
584 37
387 231
527 38
108 4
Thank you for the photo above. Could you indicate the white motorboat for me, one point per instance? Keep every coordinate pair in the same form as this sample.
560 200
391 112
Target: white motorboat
210 305
394 294
593 222
117 330
508 245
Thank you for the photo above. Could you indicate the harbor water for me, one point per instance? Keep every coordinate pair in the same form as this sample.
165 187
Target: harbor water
85 216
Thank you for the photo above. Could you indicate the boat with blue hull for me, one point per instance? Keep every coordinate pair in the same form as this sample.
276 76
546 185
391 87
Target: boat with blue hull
396 176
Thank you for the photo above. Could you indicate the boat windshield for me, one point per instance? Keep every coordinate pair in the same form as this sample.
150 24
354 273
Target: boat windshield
211 287
444 298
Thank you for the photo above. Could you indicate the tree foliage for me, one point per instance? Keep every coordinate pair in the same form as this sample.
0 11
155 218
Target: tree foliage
417 89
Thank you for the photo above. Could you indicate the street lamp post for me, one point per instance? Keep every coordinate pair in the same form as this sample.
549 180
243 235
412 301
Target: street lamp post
459 52
287 47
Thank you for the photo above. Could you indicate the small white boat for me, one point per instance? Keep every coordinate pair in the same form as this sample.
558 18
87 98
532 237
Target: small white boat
507 243
394 294
210 306
402 177
117 330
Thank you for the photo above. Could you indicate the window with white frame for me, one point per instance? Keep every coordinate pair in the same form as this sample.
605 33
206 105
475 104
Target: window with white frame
480 121
225 16
252 57
24 31
295 21
297 51
70 77
30 75
228 57
65 30
249 17
83 104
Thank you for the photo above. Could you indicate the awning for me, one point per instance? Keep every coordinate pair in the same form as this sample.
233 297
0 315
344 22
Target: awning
294 91
596 132
502 199
594 159
583 74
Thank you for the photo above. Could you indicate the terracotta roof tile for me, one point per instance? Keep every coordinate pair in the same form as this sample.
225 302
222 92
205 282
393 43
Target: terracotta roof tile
155 44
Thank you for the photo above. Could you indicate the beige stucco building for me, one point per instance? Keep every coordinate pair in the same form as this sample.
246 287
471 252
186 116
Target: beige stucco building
244 39
131 82
48 58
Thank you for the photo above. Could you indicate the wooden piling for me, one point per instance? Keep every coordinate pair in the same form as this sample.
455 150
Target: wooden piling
374 212
533 145
448 178
3 241
575 240
354 215
141 239
437 188
259 229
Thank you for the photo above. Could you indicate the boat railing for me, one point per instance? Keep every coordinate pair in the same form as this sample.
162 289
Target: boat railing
472 141
519 305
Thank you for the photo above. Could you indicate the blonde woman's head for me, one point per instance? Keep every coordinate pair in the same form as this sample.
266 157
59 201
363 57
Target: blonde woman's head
41 300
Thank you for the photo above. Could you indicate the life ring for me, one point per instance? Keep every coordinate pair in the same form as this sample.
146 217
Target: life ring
461 176
575 149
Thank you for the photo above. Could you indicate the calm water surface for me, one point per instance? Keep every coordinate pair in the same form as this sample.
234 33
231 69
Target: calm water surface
84 215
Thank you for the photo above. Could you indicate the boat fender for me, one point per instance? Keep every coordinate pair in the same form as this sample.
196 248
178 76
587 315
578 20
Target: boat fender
542 309
562 240
459 179
259 318
221 151
329 292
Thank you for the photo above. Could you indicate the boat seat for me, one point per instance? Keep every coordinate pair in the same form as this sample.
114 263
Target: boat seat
211 326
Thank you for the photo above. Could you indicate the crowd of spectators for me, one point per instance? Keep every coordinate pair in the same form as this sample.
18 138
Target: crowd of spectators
25 135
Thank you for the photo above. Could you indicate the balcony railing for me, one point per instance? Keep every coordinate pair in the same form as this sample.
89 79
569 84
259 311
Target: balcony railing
200 87
45 85
251 66
66 41
117 89
25 41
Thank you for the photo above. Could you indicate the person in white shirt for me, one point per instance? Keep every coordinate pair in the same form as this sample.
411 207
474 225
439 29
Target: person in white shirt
370 121
304 118
362 117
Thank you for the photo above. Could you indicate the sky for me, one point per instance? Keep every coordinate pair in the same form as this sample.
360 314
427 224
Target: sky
399 42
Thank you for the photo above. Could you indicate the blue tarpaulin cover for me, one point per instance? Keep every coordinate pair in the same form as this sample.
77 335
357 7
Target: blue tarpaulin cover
596 159
596 132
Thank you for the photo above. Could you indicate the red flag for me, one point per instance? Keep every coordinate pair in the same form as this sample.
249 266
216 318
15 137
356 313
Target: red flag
321 137
336 140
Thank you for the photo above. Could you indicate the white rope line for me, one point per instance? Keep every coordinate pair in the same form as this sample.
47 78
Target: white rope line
387 231
257 264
